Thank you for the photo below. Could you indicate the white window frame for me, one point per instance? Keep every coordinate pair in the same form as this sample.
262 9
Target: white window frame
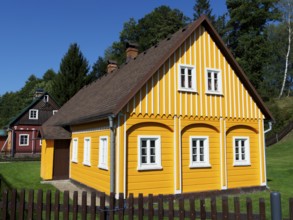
55 111
150 166
87 151
212 90
246 161
193 78
46 98
103 153
37 114
206 153
27 138
74 157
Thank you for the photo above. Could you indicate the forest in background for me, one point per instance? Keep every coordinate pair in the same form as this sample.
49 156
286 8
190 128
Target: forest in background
258 33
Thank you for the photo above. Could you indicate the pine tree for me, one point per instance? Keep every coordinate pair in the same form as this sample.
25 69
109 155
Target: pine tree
203 7
247 36
72 75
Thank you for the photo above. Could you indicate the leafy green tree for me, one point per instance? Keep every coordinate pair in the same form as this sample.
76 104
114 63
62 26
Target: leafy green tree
147 31
72 75
247 37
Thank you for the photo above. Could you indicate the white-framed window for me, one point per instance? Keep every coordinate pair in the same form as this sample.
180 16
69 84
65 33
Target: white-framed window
23 139
46 98
241 148
213 81
186 78
55 111
74 150
149 153
199 151
87 151
40 142
103 153
33 114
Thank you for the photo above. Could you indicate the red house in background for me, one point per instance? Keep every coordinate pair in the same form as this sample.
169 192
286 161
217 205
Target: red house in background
22 139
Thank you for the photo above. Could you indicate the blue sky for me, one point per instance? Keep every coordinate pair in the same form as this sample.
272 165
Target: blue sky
35 34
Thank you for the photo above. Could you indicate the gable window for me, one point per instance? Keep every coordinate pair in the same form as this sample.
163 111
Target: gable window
33 114
23 140
74 150
213 81
103 153
241 151
87 151
187 80
199 151
149 153
46 98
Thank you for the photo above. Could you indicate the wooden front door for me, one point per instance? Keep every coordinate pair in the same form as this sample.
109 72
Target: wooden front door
61 159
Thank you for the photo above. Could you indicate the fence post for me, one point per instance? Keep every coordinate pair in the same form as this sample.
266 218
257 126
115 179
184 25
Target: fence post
276 206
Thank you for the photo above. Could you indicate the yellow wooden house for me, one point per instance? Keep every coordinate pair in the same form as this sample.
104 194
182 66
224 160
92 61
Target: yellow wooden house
181 117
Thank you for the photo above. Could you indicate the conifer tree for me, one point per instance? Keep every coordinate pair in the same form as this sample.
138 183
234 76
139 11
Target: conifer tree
203 7
72 75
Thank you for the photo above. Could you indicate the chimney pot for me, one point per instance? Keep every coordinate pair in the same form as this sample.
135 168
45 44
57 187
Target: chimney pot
112 66
131 51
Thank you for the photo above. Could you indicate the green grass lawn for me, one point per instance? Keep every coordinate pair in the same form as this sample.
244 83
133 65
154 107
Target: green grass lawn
26 175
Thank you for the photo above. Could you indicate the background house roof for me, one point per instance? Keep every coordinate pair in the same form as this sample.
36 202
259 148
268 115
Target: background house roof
110 93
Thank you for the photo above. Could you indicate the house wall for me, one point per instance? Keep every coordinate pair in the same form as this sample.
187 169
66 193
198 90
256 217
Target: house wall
220 117
34 143
92 175
47 158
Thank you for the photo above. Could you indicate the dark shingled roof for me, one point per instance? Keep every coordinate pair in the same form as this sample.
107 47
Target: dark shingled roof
109 94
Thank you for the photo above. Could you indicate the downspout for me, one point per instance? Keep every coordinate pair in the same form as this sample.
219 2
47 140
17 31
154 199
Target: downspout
270 127
112 153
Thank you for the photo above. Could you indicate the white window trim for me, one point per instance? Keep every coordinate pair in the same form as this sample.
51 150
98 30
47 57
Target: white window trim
220 92
247 151
55 111
101 165
193 76
87 162
74 157
37 114
206 162
46 98
158 165
28 139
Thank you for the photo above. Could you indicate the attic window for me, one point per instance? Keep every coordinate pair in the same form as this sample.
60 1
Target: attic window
213 82
33 114
186 78
46 98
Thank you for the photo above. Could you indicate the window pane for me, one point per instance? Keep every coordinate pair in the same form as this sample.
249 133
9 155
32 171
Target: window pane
194 150
194 143
143 143
201 150
153 151
201 158
182 78
153 144
153 159
143 151
194 158
189 78
143 159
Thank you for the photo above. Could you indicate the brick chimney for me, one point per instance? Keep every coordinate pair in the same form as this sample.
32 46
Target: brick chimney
112 66
38 93
131 51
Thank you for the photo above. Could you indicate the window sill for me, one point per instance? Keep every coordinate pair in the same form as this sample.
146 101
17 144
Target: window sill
103 167
205 165
150 167
214 93
23 145
86 164
74 161
187 90
241 164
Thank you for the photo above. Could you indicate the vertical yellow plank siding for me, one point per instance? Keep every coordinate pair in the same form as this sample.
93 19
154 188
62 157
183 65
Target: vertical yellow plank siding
149 181
201 178
47 158
92 175
160 95
248 175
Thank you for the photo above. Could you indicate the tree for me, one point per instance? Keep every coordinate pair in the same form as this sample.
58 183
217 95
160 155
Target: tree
203 7
247 37
286 7
147 32
72 75
98 69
